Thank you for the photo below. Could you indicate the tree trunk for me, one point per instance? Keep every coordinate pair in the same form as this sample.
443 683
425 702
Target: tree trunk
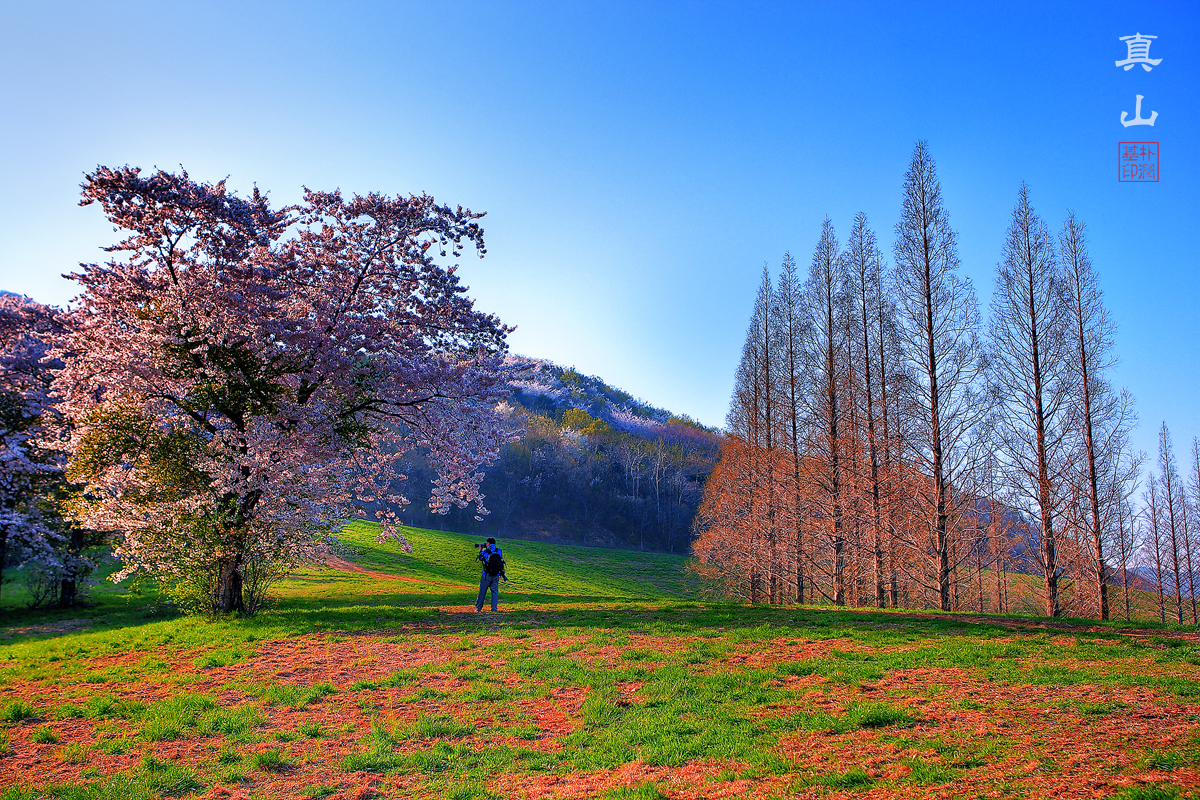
941 517
228 595
1158 585
69 588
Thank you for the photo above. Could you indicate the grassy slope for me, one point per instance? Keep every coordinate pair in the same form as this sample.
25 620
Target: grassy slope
601 679
533 568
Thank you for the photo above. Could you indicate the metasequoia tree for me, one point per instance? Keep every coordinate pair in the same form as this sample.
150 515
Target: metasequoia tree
1172 514
729 550
1031 380
1152 540
1103 418
824 304
752 418
893 382
790 332
864 273
240 377
998 532
1119 469
939 345
857 429
1192 520
1126 547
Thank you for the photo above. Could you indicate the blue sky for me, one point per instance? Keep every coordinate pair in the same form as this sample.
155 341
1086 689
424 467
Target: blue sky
638 162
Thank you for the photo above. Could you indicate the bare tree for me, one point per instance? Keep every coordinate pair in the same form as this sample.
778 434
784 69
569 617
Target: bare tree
939 342
1091 333
1189 546
1152 540
1172 510
790 330
752 417
1120 470
1193 508
864 271
1126 542
1030 378
824 307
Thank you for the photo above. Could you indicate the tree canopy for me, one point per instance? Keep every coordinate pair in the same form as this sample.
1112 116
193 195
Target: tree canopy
240 377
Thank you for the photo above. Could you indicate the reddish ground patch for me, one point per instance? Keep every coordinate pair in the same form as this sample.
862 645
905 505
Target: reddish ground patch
957 715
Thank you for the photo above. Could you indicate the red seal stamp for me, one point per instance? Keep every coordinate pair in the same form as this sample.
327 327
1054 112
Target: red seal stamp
1137 162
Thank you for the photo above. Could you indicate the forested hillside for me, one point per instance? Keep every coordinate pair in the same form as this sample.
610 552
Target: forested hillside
589 464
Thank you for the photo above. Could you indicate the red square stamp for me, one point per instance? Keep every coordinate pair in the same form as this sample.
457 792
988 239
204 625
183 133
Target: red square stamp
1137 162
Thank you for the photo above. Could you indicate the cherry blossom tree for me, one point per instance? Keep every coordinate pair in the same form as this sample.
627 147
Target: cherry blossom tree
242 378
30 533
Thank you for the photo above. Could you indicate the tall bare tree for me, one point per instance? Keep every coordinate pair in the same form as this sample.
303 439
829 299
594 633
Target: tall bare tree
1120 470
1152 539
790 330
1172 511
752 418
1031 379
939 344
864 272
824 308
1091 333
1193 508
1126 541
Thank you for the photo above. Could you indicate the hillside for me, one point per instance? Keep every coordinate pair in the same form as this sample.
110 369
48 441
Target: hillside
378 679
589 464
447 560
550 389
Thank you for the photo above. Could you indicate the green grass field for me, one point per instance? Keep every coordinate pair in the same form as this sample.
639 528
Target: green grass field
601 677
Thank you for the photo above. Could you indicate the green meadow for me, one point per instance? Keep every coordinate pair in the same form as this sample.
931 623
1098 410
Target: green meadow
603 676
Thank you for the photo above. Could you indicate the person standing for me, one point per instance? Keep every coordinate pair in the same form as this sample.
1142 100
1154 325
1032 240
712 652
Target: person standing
493 569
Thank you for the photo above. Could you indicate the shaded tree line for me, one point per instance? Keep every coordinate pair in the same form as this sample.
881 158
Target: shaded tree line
573 477
888 447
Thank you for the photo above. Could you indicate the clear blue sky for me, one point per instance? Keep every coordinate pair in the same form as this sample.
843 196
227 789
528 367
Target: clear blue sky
639 162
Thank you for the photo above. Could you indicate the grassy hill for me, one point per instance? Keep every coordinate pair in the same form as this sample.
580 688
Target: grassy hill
600 678
534 569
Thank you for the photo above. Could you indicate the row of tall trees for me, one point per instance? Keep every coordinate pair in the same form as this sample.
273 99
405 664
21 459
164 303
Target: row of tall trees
888 448
1165 531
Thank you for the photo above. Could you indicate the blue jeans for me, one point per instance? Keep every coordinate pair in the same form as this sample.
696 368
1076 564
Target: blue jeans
488 582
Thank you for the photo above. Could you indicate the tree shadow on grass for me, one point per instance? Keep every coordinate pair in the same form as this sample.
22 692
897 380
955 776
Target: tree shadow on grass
451 608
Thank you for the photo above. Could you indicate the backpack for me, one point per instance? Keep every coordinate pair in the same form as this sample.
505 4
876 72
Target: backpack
495 564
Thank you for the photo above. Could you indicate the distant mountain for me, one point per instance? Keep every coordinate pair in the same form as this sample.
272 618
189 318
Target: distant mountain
550 390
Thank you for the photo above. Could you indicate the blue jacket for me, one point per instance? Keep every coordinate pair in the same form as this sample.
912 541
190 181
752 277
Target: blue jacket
486 552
